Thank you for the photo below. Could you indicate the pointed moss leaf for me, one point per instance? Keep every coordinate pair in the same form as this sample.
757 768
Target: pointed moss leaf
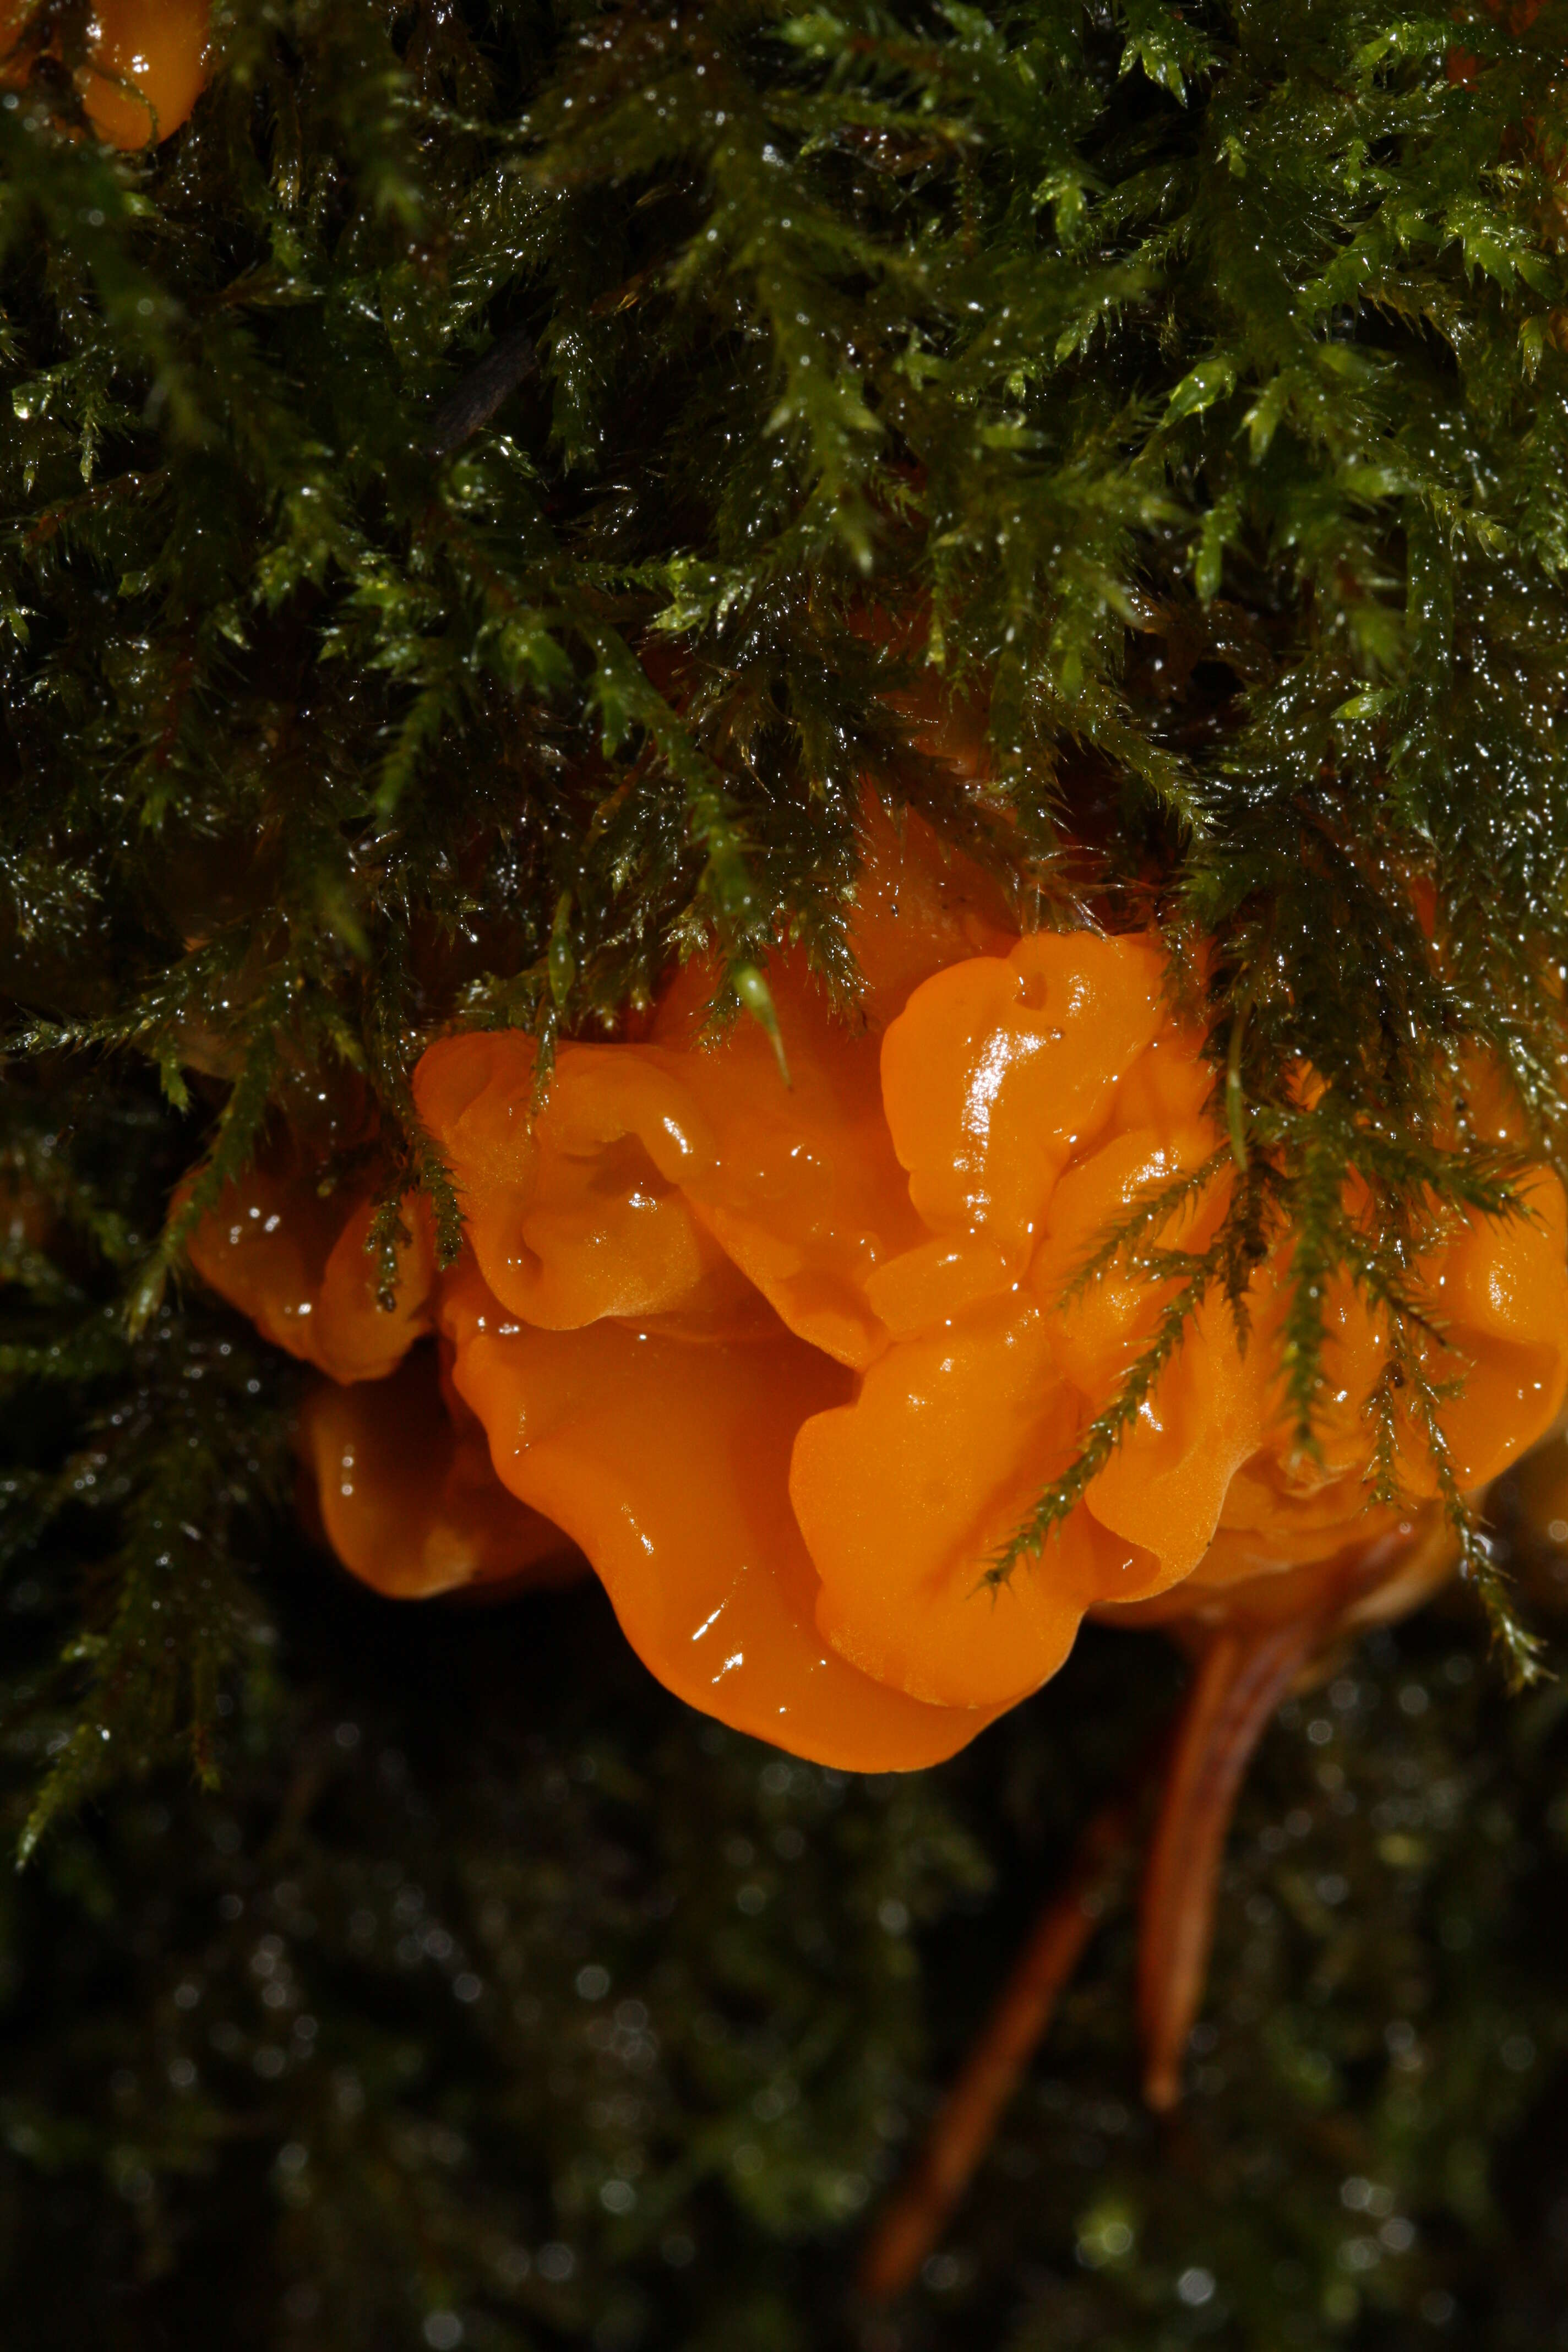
1359 708
1160 39
1220 526
562 960
757 998
1066 191
1415 39
1212 378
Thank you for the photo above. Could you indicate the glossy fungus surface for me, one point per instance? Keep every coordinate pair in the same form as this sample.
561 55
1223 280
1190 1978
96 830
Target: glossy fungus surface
789 1365
401 1479
144 67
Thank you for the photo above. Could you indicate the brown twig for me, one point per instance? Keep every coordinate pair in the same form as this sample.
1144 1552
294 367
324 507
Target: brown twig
1243 1677
969 2116
509 358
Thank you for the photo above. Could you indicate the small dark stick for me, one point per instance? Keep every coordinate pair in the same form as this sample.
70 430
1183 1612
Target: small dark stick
511 358
973 2107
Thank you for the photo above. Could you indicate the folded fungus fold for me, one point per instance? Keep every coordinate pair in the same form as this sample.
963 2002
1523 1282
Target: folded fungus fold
790 1364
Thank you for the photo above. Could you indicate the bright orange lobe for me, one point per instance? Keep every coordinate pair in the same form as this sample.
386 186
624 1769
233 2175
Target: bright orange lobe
406 1495
148 68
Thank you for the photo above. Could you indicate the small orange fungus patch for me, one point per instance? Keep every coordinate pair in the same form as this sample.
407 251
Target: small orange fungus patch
791 1365
144 67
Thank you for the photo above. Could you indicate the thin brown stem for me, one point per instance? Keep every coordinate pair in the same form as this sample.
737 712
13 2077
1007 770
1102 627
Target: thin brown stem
969 2116
1243 1677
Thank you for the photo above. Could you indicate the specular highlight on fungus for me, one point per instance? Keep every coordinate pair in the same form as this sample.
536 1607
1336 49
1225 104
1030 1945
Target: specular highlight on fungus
141 69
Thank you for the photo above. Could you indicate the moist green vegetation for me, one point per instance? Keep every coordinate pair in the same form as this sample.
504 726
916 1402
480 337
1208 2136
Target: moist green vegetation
497 1990
475 505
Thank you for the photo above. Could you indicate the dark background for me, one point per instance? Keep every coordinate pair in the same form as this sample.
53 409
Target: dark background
498 1992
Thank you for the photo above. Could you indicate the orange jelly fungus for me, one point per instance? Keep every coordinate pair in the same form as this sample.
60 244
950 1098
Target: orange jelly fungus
406 1493
790 1365
146 65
